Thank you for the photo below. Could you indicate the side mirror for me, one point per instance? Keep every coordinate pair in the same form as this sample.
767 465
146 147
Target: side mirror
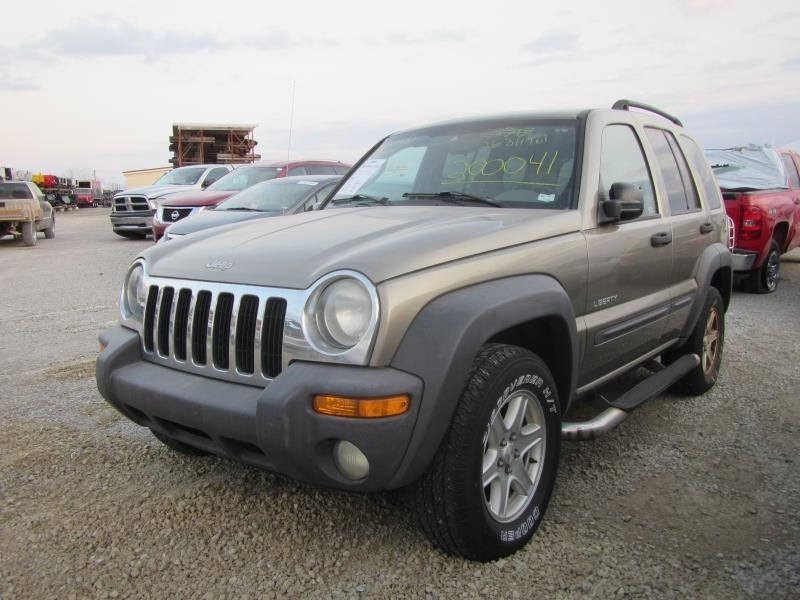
624 203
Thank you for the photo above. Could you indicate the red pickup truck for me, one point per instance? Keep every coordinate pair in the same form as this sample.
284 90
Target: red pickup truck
761 188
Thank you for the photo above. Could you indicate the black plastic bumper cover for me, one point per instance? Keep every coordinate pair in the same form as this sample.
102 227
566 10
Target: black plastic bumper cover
274 428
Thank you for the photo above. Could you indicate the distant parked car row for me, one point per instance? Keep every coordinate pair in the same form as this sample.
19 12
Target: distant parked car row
187 191
272 198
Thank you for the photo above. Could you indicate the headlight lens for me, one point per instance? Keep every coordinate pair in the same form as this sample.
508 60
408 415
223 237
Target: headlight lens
343 313
153 203
134 294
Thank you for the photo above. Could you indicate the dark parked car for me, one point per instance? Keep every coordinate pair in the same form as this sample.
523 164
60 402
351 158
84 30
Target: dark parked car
288 195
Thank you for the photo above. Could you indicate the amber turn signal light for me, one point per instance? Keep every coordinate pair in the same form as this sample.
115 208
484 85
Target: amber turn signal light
102 346
361 408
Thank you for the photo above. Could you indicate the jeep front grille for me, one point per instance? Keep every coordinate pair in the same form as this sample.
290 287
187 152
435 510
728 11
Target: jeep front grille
228 332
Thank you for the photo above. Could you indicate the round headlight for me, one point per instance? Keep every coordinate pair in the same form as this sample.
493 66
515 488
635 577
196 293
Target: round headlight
343 314
135 293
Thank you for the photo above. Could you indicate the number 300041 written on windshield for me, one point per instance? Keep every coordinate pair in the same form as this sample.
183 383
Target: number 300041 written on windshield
503 166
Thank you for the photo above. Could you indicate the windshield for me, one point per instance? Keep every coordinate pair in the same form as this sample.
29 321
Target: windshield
243 177
182 176
271 196
518 164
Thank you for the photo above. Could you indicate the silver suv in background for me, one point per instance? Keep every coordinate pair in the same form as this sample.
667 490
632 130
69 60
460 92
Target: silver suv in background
132 210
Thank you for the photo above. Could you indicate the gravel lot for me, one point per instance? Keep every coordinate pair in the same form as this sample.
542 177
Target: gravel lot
694 497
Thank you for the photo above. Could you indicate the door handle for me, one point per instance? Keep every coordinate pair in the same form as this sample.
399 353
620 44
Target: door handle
706 228
661 239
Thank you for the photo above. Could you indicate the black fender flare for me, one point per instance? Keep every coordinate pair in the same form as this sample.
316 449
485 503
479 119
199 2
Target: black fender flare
447 334
714 257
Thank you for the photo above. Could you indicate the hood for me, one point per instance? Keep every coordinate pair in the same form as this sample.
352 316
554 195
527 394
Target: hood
198 198
215 218
154 191
380 242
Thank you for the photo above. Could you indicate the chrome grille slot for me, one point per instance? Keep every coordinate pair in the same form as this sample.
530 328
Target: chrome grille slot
220 336
149 317
200 327
226 331
246 334
272 336
180 330
163 318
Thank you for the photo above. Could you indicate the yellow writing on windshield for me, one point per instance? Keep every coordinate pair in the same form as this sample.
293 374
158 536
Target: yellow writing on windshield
513 165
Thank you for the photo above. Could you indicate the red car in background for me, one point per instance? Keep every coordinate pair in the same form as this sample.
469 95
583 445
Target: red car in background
180 206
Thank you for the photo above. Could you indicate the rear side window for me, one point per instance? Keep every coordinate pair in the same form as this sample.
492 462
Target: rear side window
341 170
680 188
622 161
686 175
791 171
708 182
295 171
320 170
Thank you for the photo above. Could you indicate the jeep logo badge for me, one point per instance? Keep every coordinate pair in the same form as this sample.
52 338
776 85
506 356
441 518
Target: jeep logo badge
174 215
219 265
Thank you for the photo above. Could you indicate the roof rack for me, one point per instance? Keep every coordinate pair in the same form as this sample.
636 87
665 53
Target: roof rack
627 104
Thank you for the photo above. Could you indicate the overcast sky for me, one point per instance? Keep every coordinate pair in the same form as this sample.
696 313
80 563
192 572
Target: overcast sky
97 85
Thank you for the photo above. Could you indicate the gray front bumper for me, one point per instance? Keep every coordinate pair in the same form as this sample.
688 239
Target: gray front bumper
133 221
742 260
274 428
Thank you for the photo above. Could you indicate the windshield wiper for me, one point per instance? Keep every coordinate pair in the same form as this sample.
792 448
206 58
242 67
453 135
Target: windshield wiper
245 208
383 201
452 196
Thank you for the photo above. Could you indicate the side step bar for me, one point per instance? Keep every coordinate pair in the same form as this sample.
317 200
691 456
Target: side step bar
619 410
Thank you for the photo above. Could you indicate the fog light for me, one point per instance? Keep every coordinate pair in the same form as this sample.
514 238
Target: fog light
350 460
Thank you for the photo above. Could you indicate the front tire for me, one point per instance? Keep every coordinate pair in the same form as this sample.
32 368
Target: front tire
29 233
487 488
131 235
50 232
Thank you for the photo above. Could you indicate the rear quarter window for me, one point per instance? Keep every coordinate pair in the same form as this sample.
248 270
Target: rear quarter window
708 183
791 171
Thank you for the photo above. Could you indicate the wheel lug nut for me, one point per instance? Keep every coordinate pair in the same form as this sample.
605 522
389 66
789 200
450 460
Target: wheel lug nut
503 442
508 470
516 453
500 463
513 436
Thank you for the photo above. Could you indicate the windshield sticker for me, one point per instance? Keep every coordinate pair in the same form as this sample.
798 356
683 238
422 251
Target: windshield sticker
307 182
360 177
546 198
